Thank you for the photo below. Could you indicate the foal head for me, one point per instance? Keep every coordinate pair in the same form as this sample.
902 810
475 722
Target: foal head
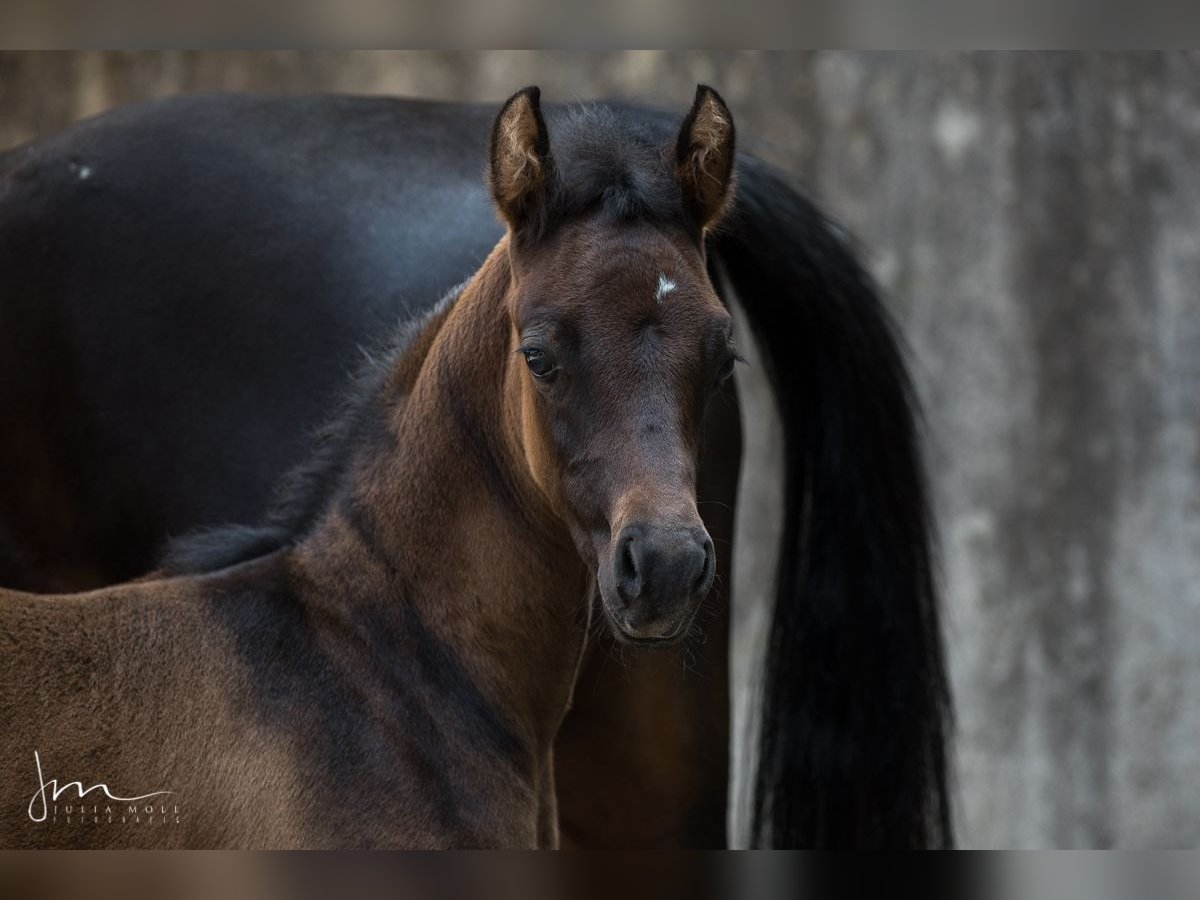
619 340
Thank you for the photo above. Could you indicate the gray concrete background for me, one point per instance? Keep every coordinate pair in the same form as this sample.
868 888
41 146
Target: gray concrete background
1036 221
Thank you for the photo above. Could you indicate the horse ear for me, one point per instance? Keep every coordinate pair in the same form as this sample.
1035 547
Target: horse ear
519 164
704 154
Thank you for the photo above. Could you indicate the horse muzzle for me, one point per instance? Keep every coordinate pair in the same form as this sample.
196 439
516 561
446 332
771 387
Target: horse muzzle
655 578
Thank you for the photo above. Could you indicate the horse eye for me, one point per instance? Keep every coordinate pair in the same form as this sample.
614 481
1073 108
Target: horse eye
539 364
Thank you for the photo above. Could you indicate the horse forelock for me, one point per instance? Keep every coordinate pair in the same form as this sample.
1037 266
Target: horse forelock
614 165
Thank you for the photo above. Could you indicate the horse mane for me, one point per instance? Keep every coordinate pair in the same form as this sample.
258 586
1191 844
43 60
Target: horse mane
304 493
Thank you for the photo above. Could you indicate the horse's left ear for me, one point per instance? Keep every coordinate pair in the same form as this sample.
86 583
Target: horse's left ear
520 168
704 154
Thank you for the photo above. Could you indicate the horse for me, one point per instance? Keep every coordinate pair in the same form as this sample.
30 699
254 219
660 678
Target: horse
237 250
399 676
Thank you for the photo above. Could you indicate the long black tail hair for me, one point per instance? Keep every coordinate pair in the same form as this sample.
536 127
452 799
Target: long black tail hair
856 715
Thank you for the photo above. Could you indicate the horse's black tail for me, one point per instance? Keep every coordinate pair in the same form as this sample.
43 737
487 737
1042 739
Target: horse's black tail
855 717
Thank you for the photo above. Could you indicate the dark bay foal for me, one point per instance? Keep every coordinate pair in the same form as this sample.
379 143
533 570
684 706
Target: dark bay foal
398 676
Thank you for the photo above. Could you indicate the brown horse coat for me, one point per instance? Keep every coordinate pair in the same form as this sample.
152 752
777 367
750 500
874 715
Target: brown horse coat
398 678
314 697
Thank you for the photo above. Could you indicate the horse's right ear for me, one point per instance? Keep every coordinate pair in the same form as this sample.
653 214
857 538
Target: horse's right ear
520 168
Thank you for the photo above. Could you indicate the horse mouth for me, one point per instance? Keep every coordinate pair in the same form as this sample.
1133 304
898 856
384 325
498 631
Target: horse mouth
652 641
625 636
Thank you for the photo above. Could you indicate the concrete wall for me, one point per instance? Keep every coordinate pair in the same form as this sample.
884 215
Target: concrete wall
1036 219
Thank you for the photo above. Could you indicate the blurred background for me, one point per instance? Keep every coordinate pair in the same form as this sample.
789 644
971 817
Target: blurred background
1035 221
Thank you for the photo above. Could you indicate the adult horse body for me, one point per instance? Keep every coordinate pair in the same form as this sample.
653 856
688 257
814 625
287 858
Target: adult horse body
187 284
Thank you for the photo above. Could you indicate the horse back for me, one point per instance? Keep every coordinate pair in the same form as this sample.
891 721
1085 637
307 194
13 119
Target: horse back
186 285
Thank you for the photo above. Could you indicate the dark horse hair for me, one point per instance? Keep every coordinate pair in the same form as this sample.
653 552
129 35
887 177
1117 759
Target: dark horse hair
856 712
855 718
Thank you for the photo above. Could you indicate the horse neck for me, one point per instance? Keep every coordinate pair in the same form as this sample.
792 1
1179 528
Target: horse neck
443 508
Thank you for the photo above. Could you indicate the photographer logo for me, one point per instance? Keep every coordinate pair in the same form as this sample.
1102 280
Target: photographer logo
52 803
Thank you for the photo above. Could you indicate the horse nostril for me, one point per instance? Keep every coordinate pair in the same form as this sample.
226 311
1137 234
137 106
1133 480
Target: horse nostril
707 568
629 575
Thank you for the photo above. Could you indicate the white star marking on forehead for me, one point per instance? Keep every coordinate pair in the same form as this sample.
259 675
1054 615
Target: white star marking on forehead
665 286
